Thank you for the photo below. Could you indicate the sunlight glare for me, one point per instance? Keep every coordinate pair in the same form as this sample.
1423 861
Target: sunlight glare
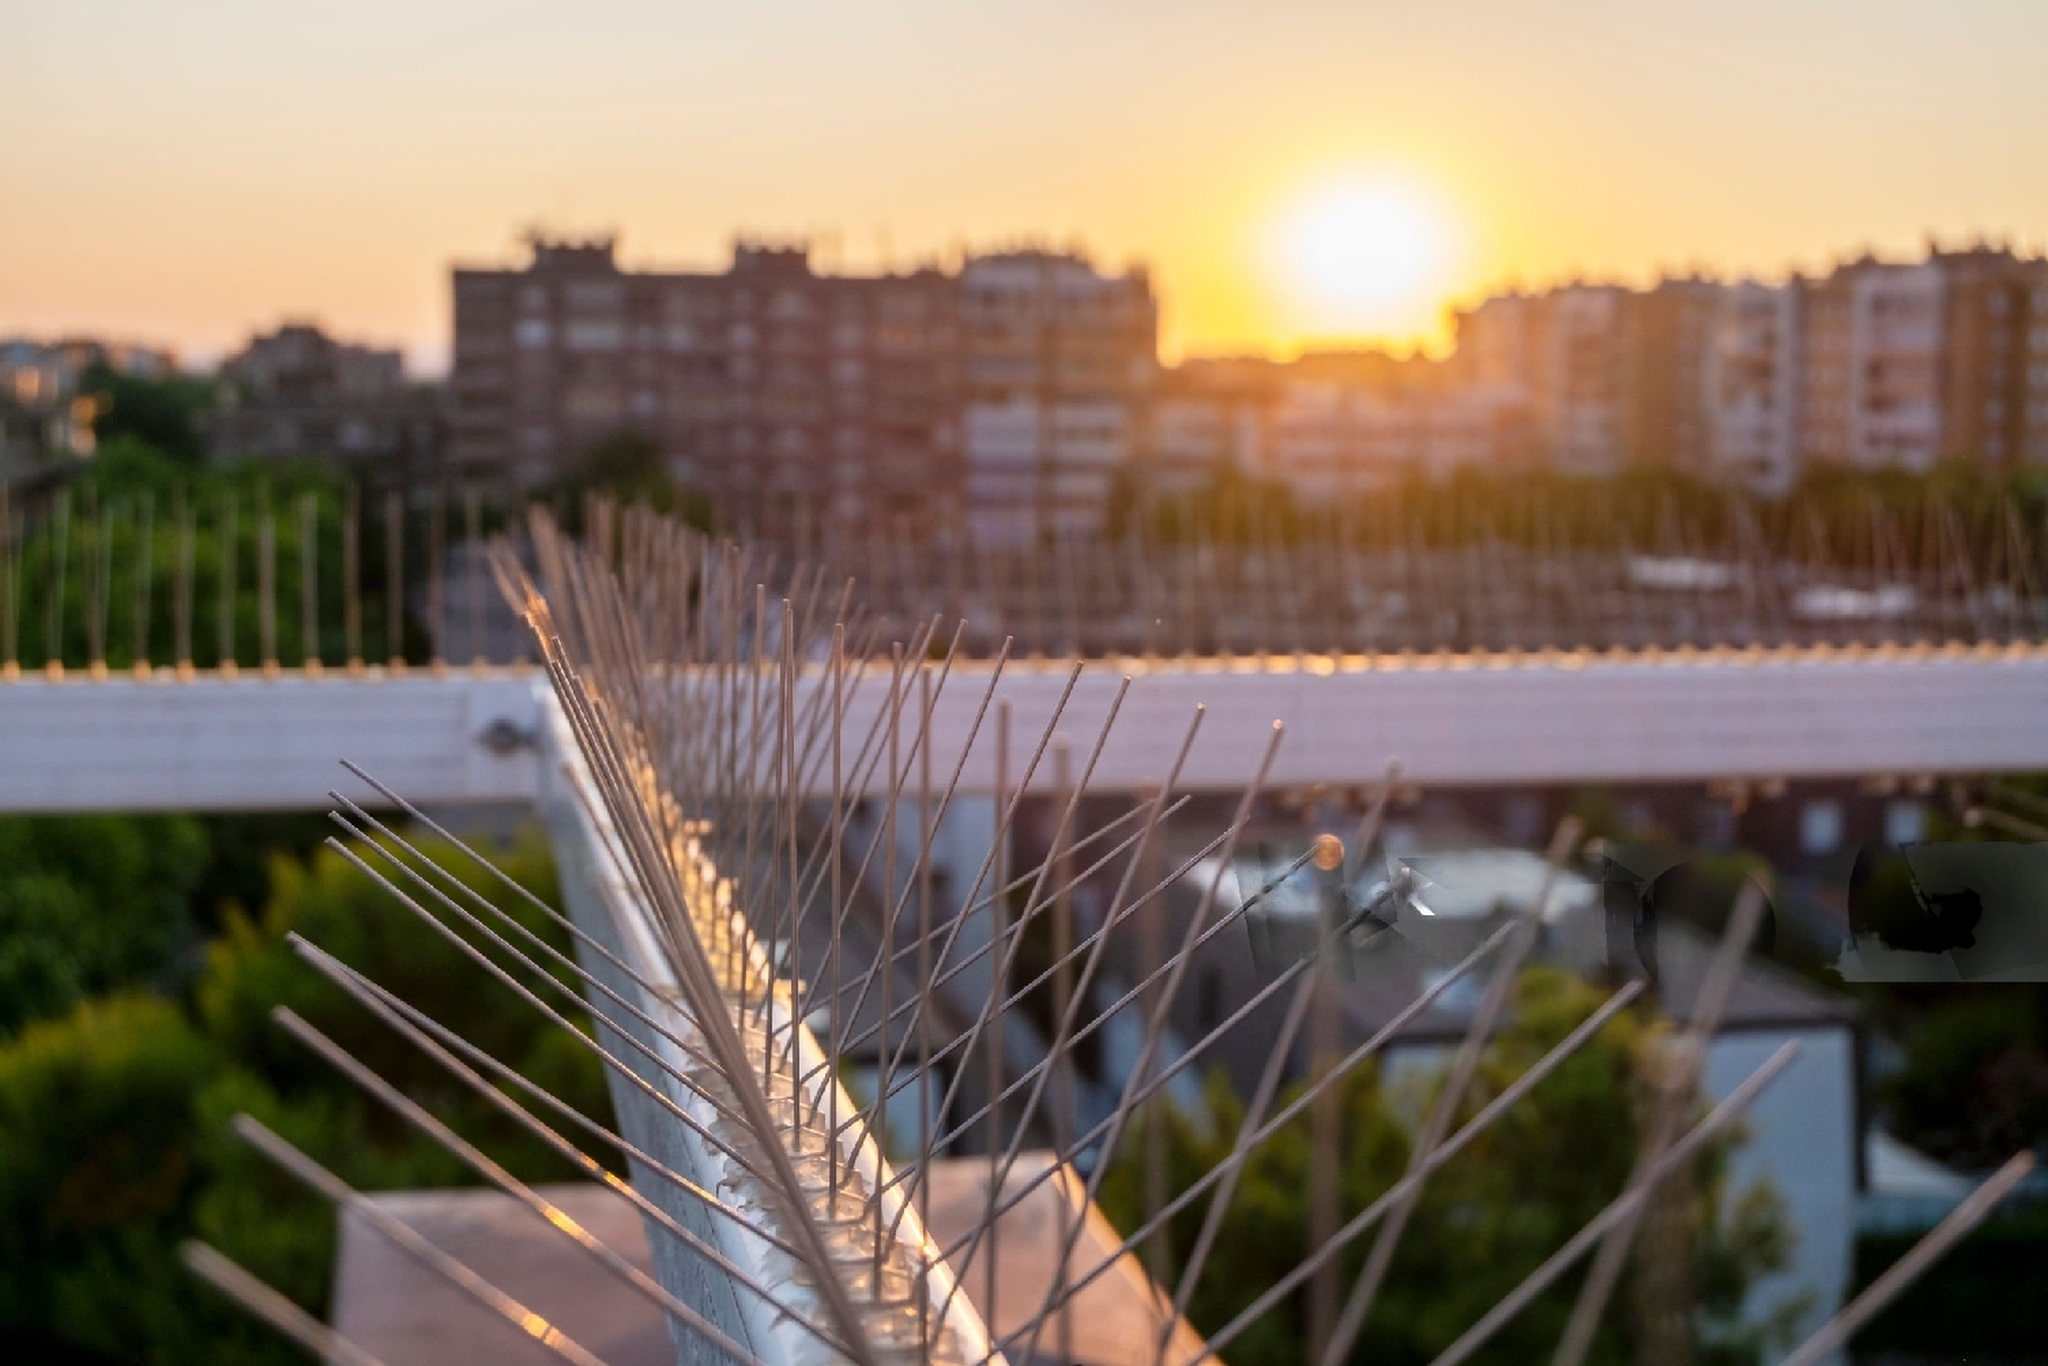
1366 257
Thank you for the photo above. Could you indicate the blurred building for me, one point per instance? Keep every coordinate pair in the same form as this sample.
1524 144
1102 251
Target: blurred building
1875 365
42 411
1009 401
1505 341
299 393
1665 418
1579 410
793 398
1208 417
1005 397
1603 377
1752 387
1871 366
1330 424
1060 360
1995 376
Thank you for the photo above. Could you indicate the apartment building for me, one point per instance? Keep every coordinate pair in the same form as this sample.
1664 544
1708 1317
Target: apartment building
1896 367
1332 440
801 402
42 411
1995 376
1663 376
1752 387
1563 360
1476 426
1875 365
1871 363
1207 417
1580 409
1005 400
1060 362
1000 401
1505 341
297 392
2033 390
1329 424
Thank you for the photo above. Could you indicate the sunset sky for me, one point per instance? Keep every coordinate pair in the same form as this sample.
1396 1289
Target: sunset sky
182 171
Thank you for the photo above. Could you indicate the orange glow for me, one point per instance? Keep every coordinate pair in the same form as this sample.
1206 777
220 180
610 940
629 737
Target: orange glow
1364 257
396 138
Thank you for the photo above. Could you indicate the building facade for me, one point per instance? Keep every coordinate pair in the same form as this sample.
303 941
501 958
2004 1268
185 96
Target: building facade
42 409
1580 409
1207 418
1995 372
1001 399
1060 361
299 393
1752 387
1663 375
1009 400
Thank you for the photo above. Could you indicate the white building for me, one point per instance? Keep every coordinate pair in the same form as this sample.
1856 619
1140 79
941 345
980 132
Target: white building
1870 382
1195 436
1800 1138
1753 387
1895 368
1579 410
1327 439
1478 425
1060 361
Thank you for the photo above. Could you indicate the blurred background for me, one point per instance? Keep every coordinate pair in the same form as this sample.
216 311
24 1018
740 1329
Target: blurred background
1293 332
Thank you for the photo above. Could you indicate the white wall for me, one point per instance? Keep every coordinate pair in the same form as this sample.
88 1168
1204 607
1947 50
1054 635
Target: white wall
1802 1139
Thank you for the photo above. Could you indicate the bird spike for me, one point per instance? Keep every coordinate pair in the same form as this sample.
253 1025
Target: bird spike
751 841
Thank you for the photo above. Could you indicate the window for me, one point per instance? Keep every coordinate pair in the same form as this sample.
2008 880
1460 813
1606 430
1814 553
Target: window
593 335
1820 827
1905 822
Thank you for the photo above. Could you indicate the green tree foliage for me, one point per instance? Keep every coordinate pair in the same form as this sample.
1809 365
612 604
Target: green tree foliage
113 1137
627 466
90 903
163 413
1980 1302
1849 519
1486 1219
1974 1087
110 551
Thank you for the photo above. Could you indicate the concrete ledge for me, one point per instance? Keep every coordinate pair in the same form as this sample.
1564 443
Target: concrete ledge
251 742
215 743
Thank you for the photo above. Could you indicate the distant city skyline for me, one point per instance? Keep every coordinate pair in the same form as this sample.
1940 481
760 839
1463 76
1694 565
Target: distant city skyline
188 175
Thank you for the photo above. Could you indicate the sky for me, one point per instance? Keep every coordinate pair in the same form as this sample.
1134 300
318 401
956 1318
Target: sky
1294 173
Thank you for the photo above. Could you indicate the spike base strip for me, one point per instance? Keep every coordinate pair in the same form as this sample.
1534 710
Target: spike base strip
609 905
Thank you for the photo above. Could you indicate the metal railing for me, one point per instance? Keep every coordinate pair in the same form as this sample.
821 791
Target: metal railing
320 579
733 915
220 580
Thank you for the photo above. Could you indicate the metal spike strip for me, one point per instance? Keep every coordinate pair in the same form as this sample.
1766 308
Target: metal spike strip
700 702
1952 575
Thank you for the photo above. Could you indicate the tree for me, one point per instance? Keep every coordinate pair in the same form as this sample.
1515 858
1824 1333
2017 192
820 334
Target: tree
1974 1085
113 545
162 412
1486 1219
113 1139
88 904
628 467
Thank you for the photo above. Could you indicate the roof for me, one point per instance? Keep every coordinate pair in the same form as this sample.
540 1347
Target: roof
1765 996
386 1305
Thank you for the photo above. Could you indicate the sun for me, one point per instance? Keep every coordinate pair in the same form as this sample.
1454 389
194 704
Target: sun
1366 256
